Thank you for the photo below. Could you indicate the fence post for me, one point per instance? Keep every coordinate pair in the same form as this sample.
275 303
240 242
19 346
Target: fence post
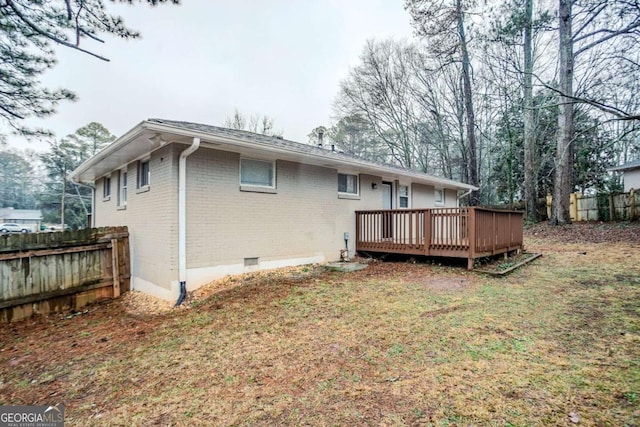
115 262
573 207
632 204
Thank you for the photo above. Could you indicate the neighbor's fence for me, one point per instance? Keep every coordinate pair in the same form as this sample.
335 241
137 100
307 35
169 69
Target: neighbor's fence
601 207
49 272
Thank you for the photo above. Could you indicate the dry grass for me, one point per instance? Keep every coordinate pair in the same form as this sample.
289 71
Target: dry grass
395 344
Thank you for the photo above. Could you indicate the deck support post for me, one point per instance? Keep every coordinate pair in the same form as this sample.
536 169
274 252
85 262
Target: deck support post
471 233
427 231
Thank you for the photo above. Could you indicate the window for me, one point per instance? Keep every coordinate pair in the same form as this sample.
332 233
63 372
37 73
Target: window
439 196
106 188
347 183
144 173
257 173
403 192
122 188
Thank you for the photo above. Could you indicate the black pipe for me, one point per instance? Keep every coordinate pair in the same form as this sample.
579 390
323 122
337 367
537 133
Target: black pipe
183 293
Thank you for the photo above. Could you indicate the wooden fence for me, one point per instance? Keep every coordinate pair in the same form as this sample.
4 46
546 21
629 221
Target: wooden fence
50 272
601 207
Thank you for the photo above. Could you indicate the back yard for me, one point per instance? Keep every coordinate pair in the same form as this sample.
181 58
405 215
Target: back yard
555 343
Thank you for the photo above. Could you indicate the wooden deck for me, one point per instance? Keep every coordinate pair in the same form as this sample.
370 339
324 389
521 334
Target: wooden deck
442 232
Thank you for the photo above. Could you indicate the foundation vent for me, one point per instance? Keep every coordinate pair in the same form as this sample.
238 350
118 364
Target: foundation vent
250 261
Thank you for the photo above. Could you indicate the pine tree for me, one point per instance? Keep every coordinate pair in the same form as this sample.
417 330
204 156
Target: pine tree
28 30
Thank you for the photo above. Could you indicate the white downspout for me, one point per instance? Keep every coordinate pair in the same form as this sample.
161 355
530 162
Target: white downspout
182 218
464 195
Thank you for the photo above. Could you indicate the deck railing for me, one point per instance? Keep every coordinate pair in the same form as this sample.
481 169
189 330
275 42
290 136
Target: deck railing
448 232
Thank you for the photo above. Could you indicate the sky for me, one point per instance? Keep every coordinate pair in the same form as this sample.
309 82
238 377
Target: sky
203 59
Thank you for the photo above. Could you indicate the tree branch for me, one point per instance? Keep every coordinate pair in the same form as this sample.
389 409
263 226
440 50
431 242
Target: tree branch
35 28
589 21
626 30
619 113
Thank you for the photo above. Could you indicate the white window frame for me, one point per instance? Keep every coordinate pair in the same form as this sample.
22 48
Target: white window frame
347 193
407 196
247 186
144 181
122 189
140 186
439 201
106 188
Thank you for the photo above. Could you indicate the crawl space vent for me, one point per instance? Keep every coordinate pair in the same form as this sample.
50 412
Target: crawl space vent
250 261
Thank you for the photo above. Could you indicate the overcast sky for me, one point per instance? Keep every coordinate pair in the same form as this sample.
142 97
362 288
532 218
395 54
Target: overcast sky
201 60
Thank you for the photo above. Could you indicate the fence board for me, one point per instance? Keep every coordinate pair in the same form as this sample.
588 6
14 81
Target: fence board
47 272
601 207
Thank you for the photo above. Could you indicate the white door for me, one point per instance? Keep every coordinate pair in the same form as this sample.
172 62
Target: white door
386 195
387 217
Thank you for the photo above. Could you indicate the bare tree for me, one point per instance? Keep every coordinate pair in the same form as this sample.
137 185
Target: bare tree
590 34
255 123
378 90
529 136
564 155
443 24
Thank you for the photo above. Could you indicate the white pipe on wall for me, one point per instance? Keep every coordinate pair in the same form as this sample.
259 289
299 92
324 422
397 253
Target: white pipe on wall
182 216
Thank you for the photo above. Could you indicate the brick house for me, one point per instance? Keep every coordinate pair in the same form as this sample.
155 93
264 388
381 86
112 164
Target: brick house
202 202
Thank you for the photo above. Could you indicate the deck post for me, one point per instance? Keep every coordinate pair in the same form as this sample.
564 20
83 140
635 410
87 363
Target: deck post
357 232
471 232
427 231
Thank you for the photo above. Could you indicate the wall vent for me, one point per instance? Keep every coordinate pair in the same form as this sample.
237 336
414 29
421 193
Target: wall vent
250 261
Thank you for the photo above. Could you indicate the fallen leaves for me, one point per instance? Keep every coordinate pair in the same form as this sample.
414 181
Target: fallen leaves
400 343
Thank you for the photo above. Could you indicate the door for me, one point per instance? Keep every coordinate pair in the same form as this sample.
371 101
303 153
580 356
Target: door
387 203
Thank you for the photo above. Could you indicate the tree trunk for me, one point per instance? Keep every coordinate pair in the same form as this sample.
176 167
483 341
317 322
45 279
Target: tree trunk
530 169
472 163
564 154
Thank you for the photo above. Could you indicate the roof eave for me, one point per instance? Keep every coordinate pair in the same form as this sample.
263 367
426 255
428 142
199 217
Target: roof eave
76 174
80 173
159 127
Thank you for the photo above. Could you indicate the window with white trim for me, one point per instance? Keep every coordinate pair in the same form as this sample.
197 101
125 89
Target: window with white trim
122 188
144 173
257 173
106 188
438 195
347 183
403 194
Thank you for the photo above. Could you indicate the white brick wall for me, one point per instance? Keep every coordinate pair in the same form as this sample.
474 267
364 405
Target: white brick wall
303 220
151 217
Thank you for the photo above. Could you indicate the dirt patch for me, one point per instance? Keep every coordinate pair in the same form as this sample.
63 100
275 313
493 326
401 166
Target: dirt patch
454 283
444 310
502 264
291 275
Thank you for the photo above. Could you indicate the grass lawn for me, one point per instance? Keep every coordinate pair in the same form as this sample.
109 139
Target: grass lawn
557 342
